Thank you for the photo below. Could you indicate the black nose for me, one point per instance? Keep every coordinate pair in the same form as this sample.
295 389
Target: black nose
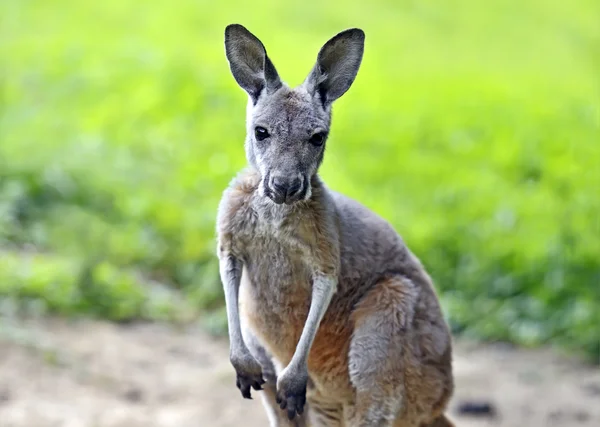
286 187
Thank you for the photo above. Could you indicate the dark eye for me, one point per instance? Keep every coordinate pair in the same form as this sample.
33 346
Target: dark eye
260 133
317 139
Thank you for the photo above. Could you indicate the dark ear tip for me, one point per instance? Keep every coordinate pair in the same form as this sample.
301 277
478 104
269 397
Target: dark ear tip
235 28
355 33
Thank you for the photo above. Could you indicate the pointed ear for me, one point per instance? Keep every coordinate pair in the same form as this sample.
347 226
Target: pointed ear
337 65
249 63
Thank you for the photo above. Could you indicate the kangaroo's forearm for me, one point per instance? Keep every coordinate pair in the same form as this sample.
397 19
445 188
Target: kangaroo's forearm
322 292
230 268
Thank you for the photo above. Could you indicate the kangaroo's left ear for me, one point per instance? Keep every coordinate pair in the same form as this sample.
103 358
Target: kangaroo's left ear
249 63
337 65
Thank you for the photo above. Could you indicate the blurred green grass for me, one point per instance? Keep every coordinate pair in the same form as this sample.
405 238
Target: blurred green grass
474 127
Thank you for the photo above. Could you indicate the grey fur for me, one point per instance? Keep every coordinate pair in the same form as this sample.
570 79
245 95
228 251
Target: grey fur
323 297
337 64
249 63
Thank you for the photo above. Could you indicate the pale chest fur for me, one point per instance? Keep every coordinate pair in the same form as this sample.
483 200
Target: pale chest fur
276 281
274 302
276 289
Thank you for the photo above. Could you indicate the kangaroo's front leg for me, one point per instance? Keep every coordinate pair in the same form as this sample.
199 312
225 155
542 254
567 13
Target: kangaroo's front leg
291 382
247 368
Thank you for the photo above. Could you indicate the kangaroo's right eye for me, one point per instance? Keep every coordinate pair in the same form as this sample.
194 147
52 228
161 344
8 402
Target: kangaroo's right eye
260 133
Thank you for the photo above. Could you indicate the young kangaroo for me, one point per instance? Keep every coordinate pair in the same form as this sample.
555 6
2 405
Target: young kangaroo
326 305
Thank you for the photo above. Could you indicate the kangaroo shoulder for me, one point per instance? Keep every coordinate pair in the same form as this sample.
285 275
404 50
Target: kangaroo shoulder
235 212
354 214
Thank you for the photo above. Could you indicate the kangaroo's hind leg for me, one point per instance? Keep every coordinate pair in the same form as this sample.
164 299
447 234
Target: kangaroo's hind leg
388 360
375 358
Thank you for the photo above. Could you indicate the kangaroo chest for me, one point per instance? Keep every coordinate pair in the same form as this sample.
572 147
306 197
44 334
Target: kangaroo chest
274 301
275 293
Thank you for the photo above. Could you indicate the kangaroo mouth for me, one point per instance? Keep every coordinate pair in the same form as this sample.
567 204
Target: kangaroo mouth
280 199
286 197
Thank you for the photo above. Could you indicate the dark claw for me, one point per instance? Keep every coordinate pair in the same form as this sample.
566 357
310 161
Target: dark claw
293 402
291 410
301 403
246 392
244 383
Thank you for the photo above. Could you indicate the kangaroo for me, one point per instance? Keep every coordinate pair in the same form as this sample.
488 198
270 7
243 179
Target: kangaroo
329 313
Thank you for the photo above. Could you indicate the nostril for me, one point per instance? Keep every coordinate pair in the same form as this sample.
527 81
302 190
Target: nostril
279 185
295 187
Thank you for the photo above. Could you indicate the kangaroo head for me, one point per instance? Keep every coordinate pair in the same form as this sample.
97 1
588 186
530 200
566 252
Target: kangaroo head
287 127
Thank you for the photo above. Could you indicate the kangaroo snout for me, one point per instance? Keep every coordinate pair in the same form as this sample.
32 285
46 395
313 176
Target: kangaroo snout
284 189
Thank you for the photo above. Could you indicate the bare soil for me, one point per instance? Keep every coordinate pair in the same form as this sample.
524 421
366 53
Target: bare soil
55 373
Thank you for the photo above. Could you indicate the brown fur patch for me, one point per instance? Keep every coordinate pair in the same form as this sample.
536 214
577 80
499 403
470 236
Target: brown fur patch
440 422
328 358
390 296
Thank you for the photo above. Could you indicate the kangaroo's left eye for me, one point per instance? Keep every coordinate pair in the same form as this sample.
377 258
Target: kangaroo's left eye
318 139
261 133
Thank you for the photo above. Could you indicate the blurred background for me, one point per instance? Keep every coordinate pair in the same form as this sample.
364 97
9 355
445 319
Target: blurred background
473 127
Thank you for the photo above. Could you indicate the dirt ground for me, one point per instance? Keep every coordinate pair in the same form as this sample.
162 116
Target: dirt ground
92 374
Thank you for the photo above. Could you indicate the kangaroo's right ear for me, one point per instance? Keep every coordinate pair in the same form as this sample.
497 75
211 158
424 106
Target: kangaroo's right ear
249 63
337 65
